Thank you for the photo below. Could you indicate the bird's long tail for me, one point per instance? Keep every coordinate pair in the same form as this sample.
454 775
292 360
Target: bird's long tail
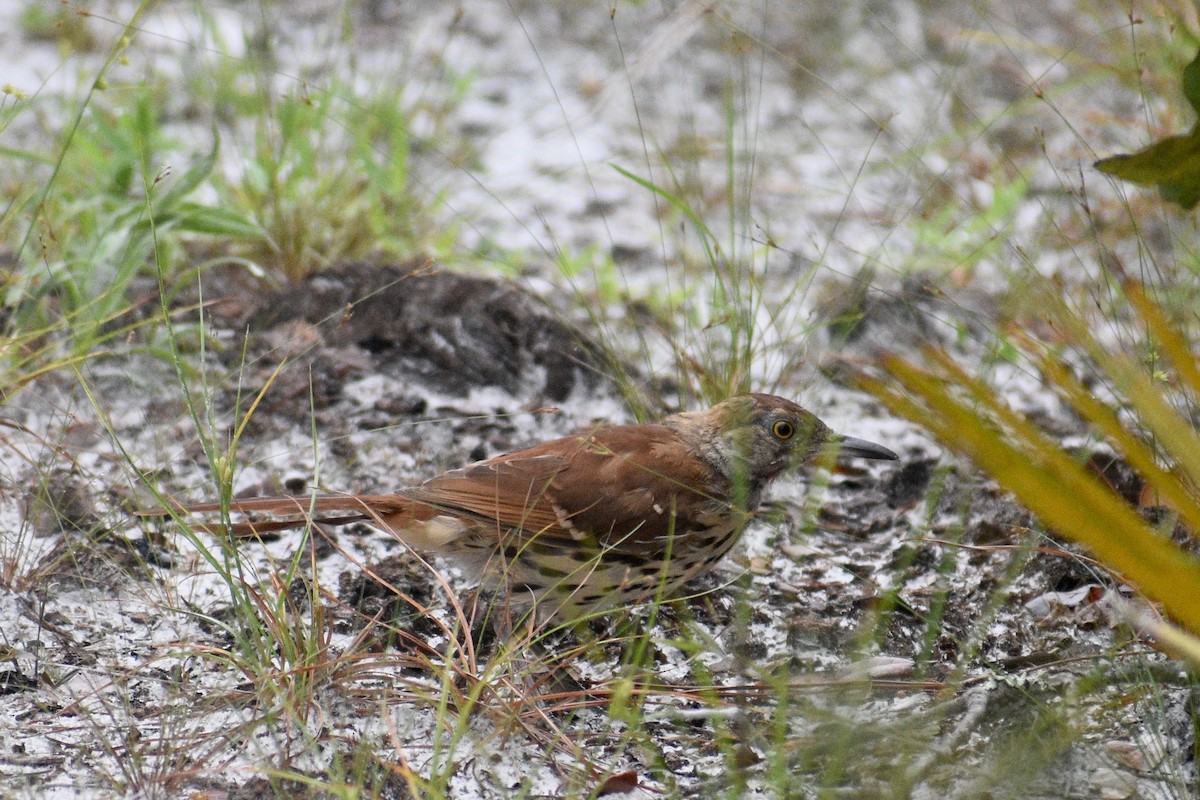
287 513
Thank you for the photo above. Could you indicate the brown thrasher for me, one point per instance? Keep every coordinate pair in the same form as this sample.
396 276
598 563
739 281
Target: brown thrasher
595 520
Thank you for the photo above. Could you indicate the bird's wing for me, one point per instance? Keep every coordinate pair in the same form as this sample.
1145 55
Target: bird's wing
608 486
508 492
649 486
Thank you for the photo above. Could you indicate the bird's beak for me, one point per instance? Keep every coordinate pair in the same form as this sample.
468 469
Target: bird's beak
861 448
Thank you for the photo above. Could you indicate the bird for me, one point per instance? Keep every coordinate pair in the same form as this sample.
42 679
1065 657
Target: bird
607 518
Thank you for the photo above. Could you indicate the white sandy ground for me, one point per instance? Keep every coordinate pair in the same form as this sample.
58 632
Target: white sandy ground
842 159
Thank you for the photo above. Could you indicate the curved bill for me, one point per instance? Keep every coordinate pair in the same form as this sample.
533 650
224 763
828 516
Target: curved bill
861 448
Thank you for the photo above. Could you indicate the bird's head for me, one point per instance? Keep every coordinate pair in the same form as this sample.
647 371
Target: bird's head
756 437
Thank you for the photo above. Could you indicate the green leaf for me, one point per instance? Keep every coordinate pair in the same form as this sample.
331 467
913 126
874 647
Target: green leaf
1173 165
191 178
1191 83
196 218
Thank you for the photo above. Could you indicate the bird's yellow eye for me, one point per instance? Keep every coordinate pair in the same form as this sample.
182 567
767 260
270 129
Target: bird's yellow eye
783 429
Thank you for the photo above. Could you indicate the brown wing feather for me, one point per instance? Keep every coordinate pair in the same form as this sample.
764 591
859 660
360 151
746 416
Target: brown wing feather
507 491
628 468
556 490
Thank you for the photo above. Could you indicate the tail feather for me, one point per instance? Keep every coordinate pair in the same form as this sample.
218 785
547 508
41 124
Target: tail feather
298 512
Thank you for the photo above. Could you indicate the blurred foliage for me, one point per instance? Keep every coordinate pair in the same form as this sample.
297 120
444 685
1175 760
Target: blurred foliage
1144 424
330 180
115 207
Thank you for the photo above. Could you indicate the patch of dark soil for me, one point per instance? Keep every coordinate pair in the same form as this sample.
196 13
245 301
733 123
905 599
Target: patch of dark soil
395 594
991 515
859 309
94 560
13 680
442 329
60 501
858 515
1063 566
908 485
860 316
389 786
1120 476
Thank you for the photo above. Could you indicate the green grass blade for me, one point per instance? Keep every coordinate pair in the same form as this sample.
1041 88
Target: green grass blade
1061 492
